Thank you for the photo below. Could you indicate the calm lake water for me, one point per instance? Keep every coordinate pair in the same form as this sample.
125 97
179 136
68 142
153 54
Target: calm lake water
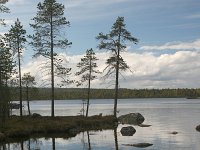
165 116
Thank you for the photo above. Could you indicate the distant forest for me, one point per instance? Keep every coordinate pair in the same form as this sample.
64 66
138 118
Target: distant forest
81 93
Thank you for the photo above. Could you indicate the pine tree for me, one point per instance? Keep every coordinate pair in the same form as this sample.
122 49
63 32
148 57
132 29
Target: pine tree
28 81
87 66
16 39
48 25
115 42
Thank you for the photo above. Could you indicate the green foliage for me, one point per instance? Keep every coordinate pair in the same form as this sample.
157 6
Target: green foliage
16 38
28 80
6 64
115 42
48 25
87 67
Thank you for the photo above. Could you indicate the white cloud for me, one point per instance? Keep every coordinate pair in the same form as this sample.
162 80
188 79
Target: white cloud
178 70
194 45
9 22
2 33
167 71
15 2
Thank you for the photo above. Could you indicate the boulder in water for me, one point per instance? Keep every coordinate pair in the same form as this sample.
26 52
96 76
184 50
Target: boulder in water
132 118
35 115
198 128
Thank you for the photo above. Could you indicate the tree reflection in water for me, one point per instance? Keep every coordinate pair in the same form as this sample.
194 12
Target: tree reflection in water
86 145
88 135
53 144
34 144
116 139
22 145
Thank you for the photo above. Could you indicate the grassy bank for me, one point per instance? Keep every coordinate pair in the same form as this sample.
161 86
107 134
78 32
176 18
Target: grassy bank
28 126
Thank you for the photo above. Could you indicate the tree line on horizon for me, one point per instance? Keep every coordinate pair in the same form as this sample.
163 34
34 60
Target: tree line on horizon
49 26
81 93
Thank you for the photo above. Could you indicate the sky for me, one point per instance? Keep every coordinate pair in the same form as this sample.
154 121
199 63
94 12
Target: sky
168 52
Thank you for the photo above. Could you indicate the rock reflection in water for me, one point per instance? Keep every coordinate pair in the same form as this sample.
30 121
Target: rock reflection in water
127 131
139 145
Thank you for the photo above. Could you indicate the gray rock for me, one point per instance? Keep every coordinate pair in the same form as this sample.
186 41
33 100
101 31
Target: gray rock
35 115
132 118
198 128
127 131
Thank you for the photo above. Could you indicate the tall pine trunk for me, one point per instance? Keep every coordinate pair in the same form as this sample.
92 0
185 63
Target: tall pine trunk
28 104
116 85
117 75
20 78
52 68
89 82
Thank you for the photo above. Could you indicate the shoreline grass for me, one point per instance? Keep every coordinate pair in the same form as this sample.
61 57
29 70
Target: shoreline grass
26 127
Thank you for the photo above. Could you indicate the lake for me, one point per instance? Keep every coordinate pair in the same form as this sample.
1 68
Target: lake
164 114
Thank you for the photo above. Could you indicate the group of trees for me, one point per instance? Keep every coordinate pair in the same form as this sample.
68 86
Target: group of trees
48 26
4 69
11 48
